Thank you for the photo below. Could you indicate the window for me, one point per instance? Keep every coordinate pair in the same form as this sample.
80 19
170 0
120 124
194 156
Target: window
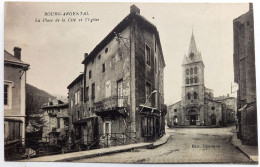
196 79
148 55
106 50
93 91
89 74
81 94
103 67
6 94
147 90
195 70
14 130
191 71
191 80
155 65
87 94
78 115
195 95
155 45
187 81
58 122
71 103
175 110
84 113
187 71
188 96
77 97
99 56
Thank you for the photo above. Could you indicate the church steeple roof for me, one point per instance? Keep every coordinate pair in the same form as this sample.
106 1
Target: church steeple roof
193 54
192 47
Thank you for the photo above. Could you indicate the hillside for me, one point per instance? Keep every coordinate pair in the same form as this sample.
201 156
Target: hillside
35 98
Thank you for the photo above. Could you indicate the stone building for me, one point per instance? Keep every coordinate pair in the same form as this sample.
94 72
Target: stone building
230 105
83 121
245 76
123 83
197 106
14 96
56 121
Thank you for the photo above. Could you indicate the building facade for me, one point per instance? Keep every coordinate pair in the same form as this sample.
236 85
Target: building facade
56 121
245 76
123 83
83 121
14 96
197 106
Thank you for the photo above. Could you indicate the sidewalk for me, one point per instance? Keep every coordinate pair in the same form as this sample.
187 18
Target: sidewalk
98 152
250 151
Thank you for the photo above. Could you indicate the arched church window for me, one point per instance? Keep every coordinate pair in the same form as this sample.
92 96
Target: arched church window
191 55
191 71
195 70
196 79
195 95
187 81
187 71
191 80
188 96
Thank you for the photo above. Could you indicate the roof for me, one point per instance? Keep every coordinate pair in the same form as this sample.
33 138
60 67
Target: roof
175 103
79 78
9 58
56 106
192 49
121 26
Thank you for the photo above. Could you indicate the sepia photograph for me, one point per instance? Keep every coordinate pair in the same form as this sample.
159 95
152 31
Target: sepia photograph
129 83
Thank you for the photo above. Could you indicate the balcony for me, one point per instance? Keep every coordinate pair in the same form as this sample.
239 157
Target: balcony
111 106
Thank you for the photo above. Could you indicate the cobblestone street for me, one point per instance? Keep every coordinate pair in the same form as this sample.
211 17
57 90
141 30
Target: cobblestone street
186 145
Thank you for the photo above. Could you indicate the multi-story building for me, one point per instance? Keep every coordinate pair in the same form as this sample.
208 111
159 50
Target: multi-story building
83 121
245 76
230 107
123 83
14 96
197 107
56 121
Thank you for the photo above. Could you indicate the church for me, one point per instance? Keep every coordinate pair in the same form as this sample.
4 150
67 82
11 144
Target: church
197 106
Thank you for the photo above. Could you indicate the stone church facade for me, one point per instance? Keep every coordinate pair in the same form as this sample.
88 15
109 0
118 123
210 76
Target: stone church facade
197 106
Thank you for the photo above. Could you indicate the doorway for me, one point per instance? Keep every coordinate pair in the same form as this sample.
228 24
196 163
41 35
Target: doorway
192 119
213 120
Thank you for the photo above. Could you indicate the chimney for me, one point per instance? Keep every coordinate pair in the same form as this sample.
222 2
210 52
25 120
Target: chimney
17 52
134 9
250 6
85 55
227 95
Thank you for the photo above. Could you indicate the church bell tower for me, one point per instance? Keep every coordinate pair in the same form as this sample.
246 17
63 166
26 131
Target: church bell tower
192 85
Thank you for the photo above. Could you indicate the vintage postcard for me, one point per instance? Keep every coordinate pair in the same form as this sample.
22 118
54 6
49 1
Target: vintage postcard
118 82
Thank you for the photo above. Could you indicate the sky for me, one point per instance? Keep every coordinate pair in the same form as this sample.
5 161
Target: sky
55 50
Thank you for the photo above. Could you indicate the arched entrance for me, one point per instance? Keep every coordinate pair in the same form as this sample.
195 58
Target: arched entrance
213 120
192 116
175 120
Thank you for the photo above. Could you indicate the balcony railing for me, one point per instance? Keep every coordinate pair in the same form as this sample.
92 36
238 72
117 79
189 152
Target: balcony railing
111 103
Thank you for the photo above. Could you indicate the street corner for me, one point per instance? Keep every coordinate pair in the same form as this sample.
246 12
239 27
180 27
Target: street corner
163 140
